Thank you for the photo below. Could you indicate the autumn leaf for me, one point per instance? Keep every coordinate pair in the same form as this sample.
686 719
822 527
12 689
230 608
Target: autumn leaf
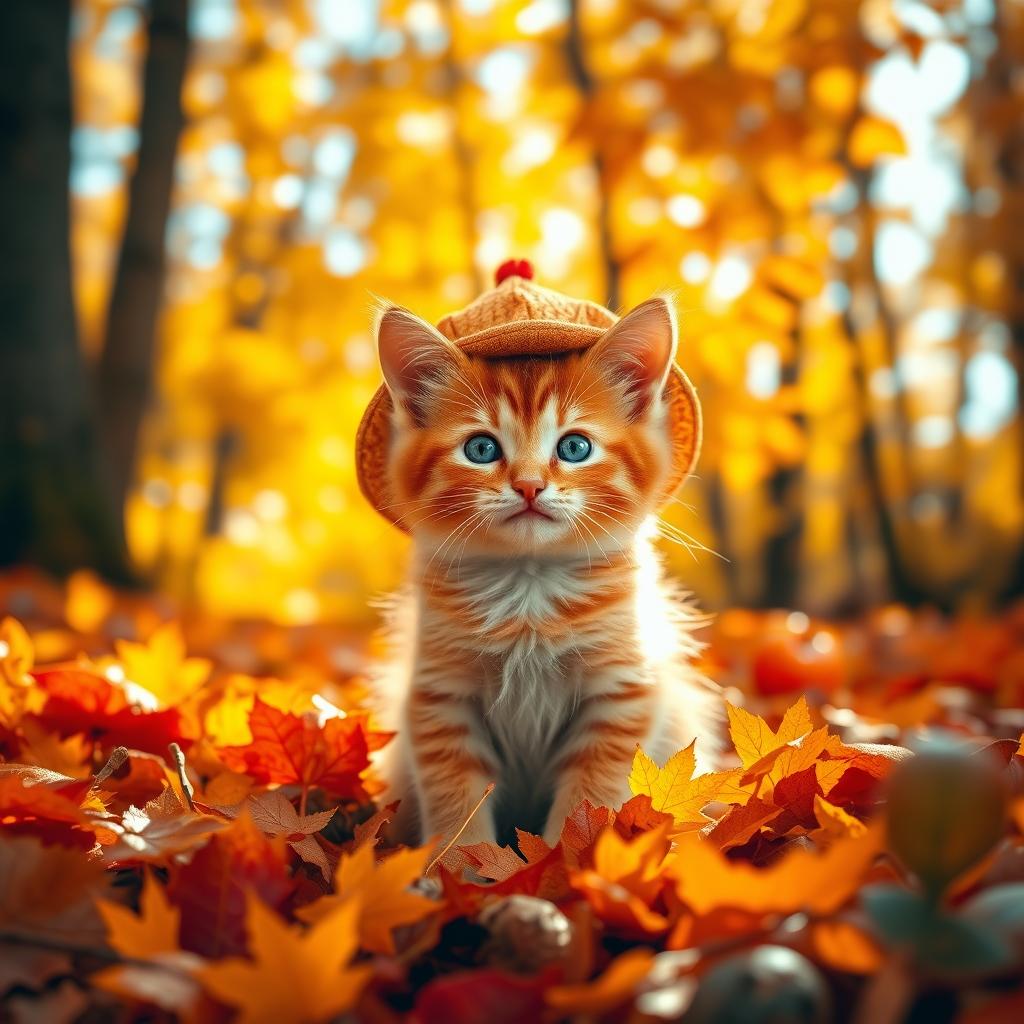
16 652
16 660
835 822
582 828
674 790
79 700
754 739
160 830
140 778
625 879
487 994
292 749
292 974
46 893
492 861
153 930
160 666
39 746
739 824
705 880
844 946
615 986
274 814
368 831
167 978
637 815
210 889
383 889
54 813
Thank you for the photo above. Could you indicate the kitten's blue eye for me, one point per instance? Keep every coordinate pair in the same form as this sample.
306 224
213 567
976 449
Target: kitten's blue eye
482 448
574 448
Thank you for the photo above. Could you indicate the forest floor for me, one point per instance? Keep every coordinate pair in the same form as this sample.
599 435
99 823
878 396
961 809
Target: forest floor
190 832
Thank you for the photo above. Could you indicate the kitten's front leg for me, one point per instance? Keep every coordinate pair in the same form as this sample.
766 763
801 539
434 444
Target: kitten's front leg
452 762
595 763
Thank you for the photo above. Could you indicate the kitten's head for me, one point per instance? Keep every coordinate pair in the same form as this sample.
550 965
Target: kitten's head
557 455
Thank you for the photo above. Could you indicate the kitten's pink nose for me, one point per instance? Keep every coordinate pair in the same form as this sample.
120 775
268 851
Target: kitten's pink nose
529 489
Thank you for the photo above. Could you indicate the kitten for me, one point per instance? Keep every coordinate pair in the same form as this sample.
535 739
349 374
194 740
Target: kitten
538 641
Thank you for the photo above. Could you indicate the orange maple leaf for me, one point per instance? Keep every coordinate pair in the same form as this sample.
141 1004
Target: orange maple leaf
801 880
292 973
615 986
625 880
385 899
153 930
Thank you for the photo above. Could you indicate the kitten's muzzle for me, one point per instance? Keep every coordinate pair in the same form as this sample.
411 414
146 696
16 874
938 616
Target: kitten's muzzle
530 510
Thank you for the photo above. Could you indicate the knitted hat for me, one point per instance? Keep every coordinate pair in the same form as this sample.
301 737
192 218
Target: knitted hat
520 318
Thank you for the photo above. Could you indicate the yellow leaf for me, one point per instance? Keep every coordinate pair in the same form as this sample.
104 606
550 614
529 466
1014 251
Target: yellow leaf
751 735
673 789
161 667
796 722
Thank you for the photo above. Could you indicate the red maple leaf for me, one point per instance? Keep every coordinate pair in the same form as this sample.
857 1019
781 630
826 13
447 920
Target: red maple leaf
79 700
210 891
638 815
291 749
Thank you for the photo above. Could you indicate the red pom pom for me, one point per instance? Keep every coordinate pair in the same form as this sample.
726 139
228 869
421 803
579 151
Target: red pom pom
514 268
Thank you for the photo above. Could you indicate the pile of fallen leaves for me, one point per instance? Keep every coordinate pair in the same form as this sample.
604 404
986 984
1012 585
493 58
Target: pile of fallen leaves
190 832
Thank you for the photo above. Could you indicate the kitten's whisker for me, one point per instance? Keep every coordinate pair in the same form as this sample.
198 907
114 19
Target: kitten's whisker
583 512
450 539
588 508
672 532
455 492
465 542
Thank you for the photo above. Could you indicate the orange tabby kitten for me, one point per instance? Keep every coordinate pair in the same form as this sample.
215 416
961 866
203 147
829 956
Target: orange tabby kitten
540 641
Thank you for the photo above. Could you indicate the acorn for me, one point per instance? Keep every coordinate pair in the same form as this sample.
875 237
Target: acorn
525 933
946 810
765 985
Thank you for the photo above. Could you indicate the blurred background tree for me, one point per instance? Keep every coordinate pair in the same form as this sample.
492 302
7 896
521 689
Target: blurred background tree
832 189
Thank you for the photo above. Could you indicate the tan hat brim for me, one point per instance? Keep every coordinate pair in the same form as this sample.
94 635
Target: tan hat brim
506 341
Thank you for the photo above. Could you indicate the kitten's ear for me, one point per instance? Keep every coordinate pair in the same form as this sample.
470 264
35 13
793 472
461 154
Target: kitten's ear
416 359
636 354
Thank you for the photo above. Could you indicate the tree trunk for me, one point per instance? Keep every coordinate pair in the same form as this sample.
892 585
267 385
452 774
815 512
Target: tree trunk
54 507
579 70
125 370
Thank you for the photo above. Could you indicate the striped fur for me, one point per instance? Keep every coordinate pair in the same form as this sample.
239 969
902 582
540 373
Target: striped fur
535 653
